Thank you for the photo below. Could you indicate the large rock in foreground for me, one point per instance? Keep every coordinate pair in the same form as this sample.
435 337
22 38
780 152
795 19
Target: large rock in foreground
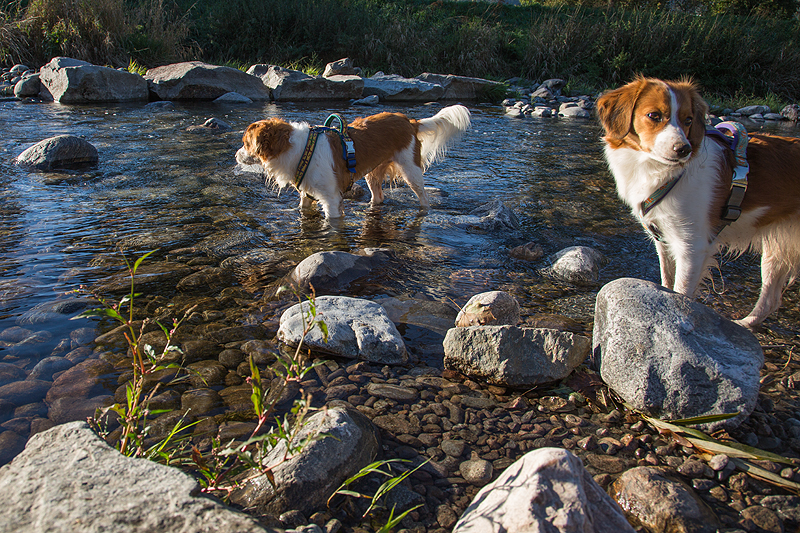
673 357
59 152
68 479
546 490
71 81
512 356
195 80
346 442
357 329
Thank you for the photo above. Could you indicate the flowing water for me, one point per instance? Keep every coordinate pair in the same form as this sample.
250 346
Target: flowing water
160 187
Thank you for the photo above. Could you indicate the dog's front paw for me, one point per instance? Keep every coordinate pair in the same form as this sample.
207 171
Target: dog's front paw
750 322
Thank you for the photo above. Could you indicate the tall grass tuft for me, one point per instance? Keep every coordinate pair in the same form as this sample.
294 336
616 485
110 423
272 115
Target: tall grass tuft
103 32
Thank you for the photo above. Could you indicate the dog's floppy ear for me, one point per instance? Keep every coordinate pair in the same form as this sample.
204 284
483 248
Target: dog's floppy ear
697 131
615 108
267 139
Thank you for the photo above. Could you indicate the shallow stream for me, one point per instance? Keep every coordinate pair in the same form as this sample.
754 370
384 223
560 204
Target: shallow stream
159 187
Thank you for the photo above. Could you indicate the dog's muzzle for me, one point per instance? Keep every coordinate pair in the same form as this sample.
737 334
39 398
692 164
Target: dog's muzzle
243 157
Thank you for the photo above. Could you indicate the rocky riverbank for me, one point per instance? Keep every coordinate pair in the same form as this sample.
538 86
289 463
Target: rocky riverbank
449 402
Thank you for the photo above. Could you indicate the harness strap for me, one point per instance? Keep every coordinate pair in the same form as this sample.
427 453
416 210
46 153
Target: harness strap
737 143
305 159
660 193
348 148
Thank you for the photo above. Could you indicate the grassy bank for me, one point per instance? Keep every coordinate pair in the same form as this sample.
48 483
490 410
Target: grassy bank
732 56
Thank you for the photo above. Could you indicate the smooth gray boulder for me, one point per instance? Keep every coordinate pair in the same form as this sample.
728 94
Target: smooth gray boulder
195 80
513 356
287 84
576 264
28 86
546 490
59 152
305 481
72 81
333 272
460 87
357 329
68 479
673 357
394 88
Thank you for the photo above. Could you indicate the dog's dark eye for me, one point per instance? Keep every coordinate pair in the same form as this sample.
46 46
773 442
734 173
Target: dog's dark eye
655 116
688 121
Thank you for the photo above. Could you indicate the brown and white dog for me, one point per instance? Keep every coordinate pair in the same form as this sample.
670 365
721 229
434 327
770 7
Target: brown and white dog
386 145
654 132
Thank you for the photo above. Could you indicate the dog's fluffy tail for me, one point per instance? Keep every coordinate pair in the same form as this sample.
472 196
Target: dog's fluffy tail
435 132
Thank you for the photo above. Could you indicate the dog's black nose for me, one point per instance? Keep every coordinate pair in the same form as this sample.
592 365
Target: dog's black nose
682 150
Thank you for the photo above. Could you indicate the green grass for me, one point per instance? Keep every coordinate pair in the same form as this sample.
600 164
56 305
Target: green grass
733 49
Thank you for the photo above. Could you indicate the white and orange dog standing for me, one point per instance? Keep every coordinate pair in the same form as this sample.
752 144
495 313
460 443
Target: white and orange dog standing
385 145
678 180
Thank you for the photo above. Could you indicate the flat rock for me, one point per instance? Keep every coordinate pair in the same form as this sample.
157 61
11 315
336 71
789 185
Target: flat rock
394 88
357 329
673 357
195 80
461 87
286 84
513 356
546 490
71 81
333 272
68 479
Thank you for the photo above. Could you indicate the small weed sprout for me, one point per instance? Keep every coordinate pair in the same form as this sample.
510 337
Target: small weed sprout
134 412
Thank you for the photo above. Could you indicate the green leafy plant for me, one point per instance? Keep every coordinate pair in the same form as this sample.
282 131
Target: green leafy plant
134 414
384 468
221 471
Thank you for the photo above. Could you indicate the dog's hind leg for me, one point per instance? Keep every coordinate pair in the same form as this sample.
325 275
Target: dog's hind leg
774 275
412 175
375 182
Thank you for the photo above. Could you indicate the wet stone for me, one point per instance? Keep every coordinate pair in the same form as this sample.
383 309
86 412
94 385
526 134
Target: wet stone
604 463
397 424
11 444
9 373
393 392
22 392
692 468
231 358
765 520
206 373
200 402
